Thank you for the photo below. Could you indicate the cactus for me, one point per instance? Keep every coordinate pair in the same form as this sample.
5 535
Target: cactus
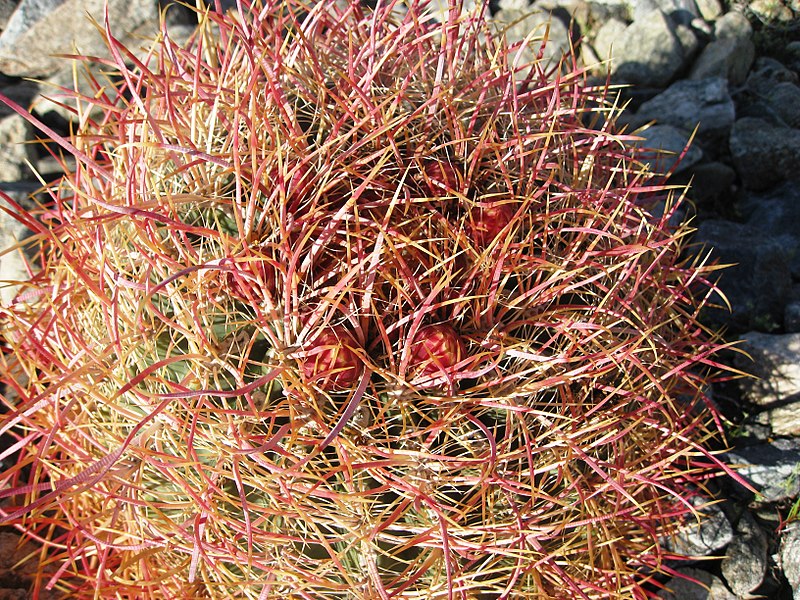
342 302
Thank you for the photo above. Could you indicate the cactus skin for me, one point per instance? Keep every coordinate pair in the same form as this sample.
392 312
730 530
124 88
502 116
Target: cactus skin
341 303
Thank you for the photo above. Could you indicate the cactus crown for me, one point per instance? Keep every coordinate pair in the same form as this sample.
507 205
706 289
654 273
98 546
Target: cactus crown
347 303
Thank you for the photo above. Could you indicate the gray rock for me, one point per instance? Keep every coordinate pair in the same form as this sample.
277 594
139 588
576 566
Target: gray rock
679 11
776 213
782 420
518 23
53 99
712 533
7 8
767 72
47 27
775 362
705 104
704 30
711 181
695 585
784 100
771 11
12 261
745 561
22 93
649 52
14 132
710 10
733 25
667 143
790 557
607 37
603 10
590 59
690 43
772 468
441 8
758 281
728 57
764 154
791 317
792 55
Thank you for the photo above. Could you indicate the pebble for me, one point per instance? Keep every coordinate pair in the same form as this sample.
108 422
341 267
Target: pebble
667 144
649 52
14 132
790 557
46 28
763 154
704 537
704 104
757 283
774 360
772 467
745 562
694 584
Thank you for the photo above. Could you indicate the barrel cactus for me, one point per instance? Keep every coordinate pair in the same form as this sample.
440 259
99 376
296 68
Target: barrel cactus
348 302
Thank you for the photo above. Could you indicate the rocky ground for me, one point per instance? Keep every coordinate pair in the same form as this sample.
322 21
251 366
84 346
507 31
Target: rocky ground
728 72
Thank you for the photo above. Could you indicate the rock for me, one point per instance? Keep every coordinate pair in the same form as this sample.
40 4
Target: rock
757 283
711 181
14 132
733 25
690 43
603 10
680 11
47 27
775 361
782 420
12 265
668 143
7 8
772 468
790 557
694 584
745 561
607 36
728 57
792 55
649 52
791 317
518 23
764 154
784 100
712 533
21 92
590 59
771 11
704 104
776 213
710 10
702 28
768 72
441 8
53 99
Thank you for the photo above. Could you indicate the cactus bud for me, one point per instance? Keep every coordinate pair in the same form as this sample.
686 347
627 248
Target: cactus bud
487 221
441 178
330 361
435 351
